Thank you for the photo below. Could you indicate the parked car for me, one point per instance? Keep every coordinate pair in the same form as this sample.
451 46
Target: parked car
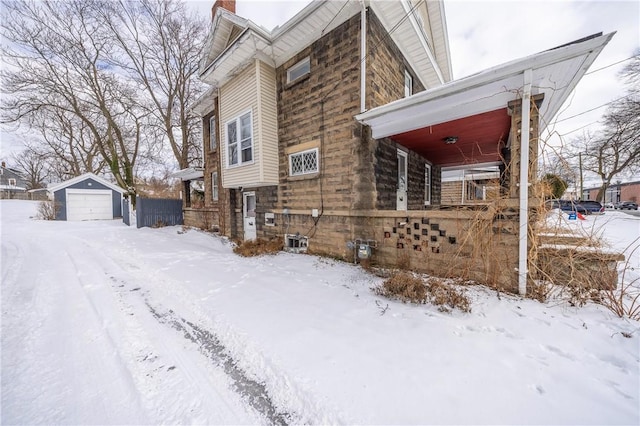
567 206
594 207
609 206
627 205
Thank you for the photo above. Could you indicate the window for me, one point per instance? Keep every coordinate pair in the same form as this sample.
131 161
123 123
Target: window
12 182
213 138
214 186
299 70
304 162
240 140
408 84
427 184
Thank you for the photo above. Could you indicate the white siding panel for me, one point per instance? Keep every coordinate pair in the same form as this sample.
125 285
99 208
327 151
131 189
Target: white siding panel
254 89
269 124
238 96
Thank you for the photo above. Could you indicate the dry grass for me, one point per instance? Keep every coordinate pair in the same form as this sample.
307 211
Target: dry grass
446 296
258 247
408 287
404 286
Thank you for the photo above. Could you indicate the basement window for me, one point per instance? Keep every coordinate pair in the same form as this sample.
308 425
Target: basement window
299 70
303 162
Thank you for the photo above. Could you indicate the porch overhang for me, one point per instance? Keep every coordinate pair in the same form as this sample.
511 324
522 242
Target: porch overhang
190 173
471 113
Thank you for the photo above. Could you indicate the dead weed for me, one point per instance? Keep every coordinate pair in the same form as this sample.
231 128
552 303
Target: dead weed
258 247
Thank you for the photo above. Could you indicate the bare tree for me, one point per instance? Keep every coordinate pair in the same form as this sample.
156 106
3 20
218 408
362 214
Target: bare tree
58 55
66 143
33 166
616 149
107 85
161 45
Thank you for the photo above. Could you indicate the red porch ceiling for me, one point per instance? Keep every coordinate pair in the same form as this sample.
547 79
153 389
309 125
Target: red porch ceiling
480 139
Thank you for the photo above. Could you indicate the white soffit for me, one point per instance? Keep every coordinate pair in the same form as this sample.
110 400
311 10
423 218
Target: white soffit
310 24
556 72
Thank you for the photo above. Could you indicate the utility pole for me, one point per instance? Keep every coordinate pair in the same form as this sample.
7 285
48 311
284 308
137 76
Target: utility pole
580 166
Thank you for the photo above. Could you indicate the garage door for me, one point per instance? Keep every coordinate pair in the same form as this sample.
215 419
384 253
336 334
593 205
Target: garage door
89 205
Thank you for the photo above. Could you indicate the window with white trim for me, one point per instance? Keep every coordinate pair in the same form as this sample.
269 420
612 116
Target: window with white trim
303 162
408 84
427 184
299 70
213 137
240 140
12 182
214 186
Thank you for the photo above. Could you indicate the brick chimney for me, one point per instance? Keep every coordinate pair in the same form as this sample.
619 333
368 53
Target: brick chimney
230 5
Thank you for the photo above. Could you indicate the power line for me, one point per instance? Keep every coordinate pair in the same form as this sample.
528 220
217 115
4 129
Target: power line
592 109
610 65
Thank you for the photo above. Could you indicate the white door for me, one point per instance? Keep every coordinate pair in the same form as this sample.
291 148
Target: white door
95 204
249 214
401 195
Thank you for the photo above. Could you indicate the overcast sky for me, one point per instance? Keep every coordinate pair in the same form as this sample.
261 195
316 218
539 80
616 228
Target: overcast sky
483 34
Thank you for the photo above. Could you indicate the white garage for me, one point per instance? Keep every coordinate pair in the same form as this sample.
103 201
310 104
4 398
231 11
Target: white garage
87 197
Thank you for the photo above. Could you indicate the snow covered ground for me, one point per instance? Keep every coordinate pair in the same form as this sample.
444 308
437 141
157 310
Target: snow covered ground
106 324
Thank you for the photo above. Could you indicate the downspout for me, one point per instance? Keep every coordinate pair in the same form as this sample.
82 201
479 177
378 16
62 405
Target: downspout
524 184
363 56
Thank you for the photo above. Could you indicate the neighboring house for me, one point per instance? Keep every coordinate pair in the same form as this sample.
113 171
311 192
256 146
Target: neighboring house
332 132
467 186
87 197
627 191
12 183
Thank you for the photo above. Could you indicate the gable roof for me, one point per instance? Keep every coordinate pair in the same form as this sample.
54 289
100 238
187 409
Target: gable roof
80 178
234 41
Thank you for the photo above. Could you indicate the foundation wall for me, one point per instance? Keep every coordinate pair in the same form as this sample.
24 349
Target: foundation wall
469 244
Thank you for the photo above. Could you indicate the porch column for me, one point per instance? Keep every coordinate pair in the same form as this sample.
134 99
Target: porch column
523 167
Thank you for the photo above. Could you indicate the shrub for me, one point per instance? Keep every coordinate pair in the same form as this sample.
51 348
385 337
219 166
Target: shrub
404 286
410 288
47 210
446 296
624 300
258 247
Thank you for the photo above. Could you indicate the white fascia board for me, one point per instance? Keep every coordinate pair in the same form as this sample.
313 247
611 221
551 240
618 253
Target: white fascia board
232 59
189 173
422 38
80 178
444 35
205 104
296 19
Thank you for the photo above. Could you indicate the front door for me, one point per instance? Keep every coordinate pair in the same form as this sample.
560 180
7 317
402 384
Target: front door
249 215
401 196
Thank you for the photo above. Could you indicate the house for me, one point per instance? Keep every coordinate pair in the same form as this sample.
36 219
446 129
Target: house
333 131
87 197
12 183
617 192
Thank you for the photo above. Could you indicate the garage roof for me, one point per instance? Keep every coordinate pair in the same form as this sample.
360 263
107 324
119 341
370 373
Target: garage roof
80 178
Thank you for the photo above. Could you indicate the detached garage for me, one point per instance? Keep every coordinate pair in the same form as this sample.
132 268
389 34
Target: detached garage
87 197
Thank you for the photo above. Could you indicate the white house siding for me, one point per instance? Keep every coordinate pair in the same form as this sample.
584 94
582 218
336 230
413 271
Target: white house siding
268 115
237 97
252 90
